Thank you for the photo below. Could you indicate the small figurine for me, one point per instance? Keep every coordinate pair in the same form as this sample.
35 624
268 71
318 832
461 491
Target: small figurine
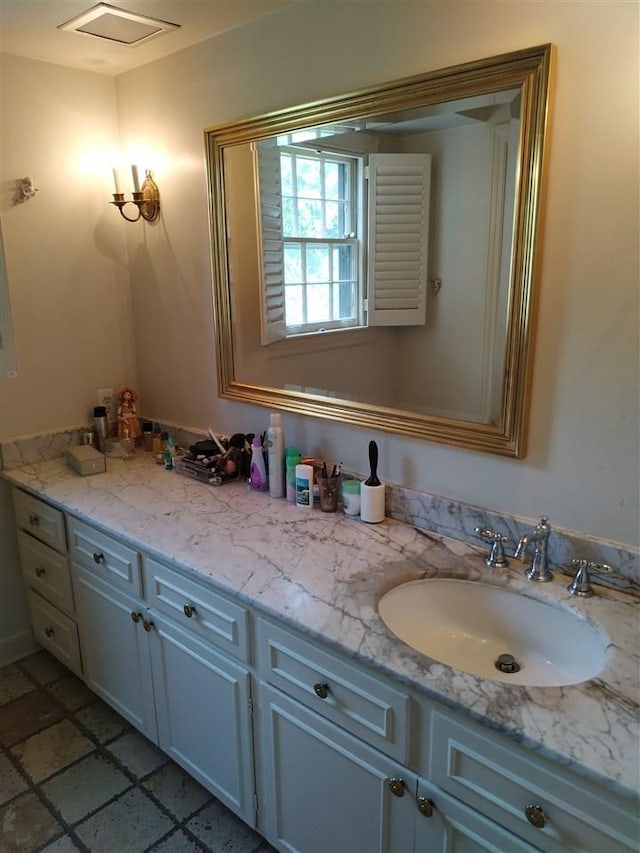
128 423
26 189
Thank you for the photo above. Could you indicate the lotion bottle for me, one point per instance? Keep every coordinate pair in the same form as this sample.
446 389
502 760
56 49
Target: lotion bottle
258 472
275 454
304 486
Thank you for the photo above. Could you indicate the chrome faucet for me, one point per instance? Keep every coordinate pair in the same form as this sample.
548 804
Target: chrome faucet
539 569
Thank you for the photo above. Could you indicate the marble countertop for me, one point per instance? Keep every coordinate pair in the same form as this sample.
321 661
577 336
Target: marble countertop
324 573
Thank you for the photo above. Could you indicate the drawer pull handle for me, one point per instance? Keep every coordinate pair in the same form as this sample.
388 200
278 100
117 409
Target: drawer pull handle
34 519
189 610
40 572
396 786
321 689
147 625
98 558
535 816
49 631
135 616
425 807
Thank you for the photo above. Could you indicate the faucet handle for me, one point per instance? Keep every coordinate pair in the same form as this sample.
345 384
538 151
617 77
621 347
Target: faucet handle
496 557
581 584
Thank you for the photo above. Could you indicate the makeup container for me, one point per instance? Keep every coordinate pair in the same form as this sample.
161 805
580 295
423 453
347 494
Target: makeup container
350 497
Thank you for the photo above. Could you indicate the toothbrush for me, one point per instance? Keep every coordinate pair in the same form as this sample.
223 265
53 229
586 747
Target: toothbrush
213 437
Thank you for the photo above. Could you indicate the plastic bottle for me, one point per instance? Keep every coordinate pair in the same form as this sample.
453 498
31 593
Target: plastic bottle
292 459
275 455
258 471
168 454
304 486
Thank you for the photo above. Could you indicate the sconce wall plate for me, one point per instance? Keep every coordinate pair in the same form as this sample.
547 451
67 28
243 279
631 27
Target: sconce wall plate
147 201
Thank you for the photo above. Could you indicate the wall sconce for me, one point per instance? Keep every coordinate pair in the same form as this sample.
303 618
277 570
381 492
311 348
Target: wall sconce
145 197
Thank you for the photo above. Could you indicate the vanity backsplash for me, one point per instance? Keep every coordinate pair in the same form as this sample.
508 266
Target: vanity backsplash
430 513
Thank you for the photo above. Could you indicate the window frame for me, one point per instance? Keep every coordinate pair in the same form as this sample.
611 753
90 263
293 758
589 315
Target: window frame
354 239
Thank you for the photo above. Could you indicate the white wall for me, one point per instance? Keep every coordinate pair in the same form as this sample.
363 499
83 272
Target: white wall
582 464
65 251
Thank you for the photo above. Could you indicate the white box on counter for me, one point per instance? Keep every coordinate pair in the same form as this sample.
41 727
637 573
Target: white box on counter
85 460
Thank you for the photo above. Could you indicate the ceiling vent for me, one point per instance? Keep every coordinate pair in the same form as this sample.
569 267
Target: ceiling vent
116 25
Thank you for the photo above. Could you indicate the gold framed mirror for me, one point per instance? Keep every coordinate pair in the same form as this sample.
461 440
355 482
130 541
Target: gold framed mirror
374 254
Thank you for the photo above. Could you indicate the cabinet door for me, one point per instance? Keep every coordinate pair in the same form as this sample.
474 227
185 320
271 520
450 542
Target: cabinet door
204 715
323 789
445 825
115 650
55 631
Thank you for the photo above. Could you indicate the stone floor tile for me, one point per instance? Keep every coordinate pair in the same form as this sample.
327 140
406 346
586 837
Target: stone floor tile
26 824
178 792
137 754
103 722
43 667
27 715
219 829
52 750
66 844
11 782
13 684
177 842
71 691
127 825
84 787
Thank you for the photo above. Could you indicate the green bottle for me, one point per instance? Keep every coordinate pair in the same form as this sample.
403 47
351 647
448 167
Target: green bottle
292 459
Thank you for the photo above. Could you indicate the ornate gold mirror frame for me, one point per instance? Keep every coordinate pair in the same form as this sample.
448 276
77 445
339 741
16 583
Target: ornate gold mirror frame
529 70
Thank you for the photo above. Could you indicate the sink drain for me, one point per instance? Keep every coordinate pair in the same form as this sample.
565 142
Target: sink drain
507 663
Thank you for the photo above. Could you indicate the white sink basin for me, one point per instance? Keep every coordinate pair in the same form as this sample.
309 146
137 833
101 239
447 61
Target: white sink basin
468 625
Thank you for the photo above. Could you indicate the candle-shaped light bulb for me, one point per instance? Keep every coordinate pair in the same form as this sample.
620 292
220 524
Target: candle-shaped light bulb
116 180
136 182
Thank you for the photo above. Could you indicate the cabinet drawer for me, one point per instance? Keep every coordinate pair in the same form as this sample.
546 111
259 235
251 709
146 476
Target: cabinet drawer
104 555
55 631
41 520
212 617
46 571
500 780
362 704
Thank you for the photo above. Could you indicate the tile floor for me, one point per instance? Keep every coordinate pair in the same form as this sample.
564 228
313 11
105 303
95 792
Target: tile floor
75 776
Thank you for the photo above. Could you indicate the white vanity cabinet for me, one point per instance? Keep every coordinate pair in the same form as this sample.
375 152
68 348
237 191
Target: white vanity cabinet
202 684
349 762
540 801
322 785
42 544
171 655
113 626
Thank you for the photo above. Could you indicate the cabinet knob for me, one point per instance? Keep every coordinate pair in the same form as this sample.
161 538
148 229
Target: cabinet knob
135 616
147 625
34 519
535 816
425 806
321 689
40 572
98 558
396 786
189 610
49 631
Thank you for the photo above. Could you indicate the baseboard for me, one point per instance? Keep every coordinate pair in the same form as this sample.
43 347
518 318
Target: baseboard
17 646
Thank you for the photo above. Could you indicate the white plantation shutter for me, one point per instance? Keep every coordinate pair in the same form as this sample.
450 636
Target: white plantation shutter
399 186
266 158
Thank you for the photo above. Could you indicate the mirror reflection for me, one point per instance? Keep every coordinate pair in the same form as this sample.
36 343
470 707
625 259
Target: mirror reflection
378 265
388 238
